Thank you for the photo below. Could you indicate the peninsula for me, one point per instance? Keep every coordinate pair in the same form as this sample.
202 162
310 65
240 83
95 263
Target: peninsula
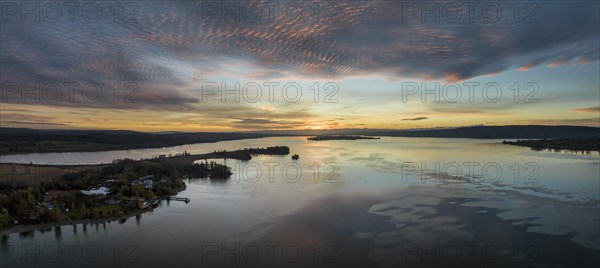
573 144
53 195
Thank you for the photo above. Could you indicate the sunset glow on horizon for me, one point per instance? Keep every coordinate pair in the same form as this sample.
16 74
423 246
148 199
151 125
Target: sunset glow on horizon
187 67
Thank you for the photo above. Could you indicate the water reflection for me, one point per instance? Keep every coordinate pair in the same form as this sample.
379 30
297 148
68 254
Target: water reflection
377 211
564 151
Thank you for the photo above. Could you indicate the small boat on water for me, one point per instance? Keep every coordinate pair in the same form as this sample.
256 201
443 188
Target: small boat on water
295 157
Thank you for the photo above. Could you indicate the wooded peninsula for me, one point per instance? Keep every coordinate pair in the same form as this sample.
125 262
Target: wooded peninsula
59 194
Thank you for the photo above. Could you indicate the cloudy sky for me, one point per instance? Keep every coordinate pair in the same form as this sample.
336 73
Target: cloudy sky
231 66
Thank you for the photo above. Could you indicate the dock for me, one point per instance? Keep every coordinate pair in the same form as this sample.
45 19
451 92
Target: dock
184 199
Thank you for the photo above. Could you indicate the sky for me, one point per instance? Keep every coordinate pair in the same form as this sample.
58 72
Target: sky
279 65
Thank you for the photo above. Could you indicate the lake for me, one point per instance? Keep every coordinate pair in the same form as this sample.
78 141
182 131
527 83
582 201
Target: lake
389 202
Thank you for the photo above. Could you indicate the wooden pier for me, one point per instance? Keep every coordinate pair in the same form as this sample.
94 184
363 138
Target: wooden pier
184 199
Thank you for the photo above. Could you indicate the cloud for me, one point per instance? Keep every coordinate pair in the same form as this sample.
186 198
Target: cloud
471 111
255 121
259 123
415 118
172 46
25 119
15 110
588 110
175 43
33 123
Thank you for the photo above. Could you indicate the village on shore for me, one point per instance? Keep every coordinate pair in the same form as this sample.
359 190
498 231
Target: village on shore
124 187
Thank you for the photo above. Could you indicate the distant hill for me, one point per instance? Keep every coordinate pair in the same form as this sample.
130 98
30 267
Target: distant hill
479 132
501 132
23 140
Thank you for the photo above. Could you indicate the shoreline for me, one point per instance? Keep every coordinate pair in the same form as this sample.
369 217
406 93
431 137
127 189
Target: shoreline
309 137
21 228
563 144
240 154
125 148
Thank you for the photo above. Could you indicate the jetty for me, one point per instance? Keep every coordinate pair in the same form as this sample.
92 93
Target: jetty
177 198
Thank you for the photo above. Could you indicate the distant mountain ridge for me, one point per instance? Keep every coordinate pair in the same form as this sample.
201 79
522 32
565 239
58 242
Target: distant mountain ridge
503 132
479 132
491 132
23 140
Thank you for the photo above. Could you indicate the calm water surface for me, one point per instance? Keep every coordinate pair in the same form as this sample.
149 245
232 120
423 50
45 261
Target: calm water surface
388 202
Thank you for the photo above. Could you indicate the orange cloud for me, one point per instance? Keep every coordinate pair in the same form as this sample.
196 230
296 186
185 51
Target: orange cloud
526 67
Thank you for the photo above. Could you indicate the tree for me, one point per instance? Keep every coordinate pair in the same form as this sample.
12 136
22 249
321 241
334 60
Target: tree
23 209
126 190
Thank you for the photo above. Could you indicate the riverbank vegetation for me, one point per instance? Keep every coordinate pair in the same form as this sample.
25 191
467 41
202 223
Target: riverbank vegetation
569 144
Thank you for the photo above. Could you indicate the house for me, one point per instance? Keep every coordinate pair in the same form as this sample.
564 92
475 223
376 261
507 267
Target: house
136 198
149 177
147 183
97 191
138 202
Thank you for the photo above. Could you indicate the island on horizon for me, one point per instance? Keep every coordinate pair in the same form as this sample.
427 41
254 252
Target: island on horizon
340 137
